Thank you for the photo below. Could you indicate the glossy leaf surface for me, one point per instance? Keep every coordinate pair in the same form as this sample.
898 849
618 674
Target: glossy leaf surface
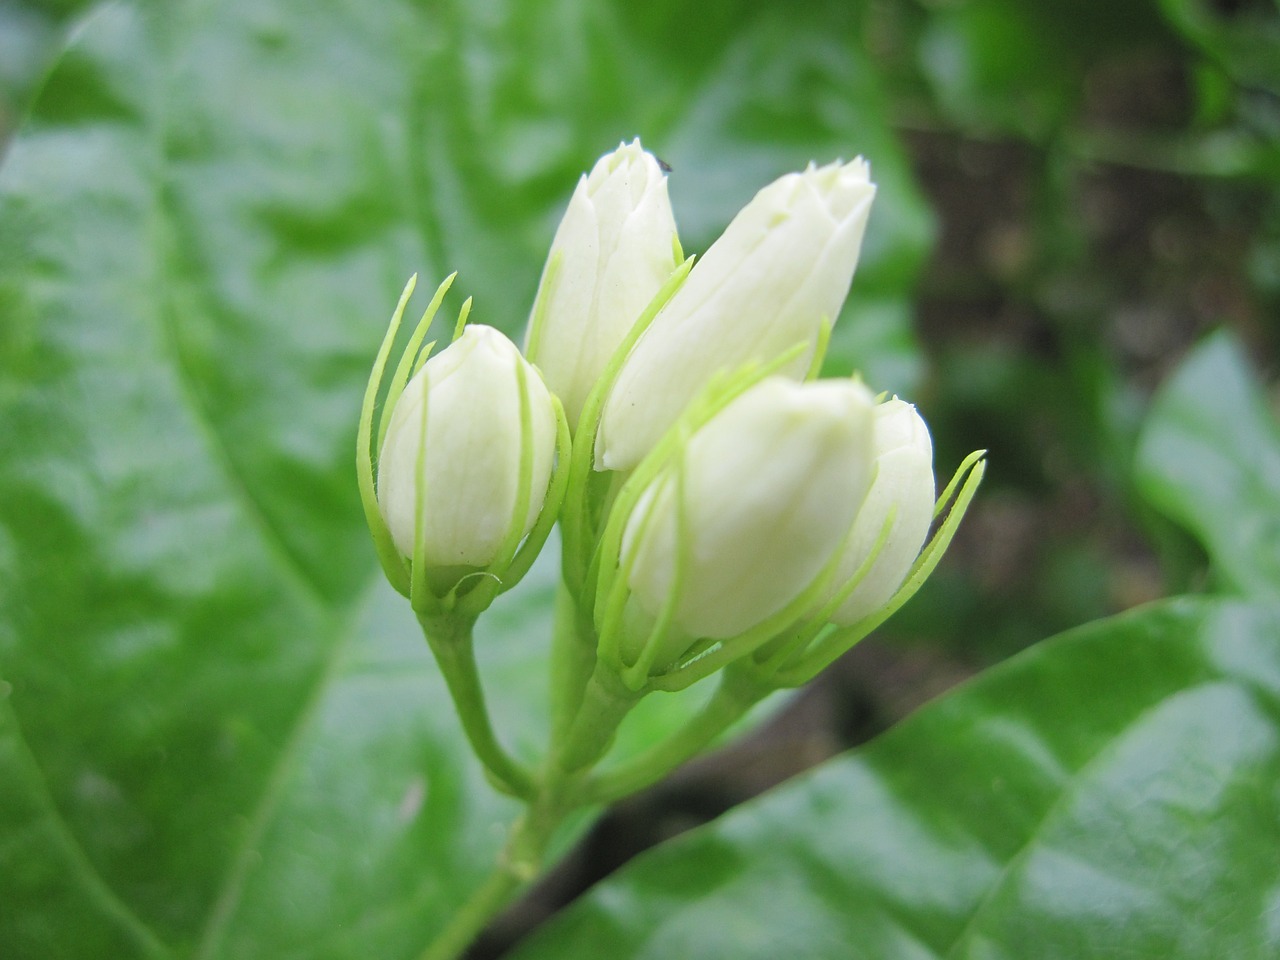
1111 793
1210 459
220 733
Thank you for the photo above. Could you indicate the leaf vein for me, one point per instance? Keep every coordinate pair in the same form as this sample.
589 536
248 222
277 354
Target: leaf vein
74 853
246 855
1069 790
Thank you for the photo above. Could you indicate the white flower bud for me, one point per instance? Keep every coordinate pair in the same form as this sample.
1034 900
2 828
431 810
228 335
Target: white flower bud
471 471
771 485
613 250
779 272
903 482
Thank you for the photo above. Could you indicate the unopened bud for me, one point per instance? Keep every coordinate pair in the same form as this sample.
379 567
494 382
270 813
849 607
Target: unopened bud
452 461
748 513
612 252
774 279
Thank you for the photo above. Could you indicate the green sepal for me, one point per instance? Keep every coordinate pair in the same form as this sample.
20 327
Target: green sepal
820 349
398 571
407 360
393 565
773 656
579 533
953 502
706 661
463 315
537 320
421 597
423 357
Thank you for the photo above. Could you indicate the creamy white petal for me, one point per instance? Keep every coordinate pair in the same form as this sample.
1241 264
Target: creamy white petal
471 473
614 249
771 486
903 483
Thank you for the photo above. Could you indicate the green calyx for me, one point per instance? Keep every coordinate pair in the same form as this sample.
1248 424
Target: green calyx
393 564
587 489
434 590
806 661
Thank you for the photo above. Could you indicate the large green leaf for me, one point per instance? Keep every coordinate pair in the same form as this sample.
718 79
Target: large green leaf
1209 457
220 733
1109 794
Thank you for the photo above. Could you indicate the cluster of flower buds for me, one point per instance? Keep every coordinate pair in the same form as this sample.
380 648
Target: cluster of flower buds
719 503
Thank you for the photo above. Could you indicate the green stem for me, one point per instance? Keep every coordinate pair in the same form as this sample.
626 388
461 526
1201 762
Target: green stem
450 641
605 701
588 710
518 865
556 793
573 658
471 918
738 692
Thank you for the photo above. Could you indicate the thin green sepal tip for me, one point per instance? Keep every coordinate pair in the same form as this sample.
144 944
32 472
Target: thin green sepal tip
392 563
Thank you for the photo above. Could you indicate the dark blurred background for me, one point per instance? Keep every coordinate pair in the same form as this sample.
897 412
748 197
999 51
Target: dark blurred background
1103 177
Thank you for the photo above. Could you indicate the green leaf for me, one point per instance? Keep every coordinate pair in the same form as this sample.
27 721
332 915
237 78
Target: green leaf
221 734
1108 794
1209 458
1243 42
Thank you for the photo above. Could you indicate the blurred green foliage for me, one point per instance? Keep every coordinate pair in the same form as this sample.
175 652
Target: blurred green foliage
1106 178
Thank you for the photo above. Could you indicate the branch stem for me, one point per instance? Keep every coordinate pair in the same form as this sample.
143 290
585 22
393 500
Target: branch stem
518 865
450 641
738 692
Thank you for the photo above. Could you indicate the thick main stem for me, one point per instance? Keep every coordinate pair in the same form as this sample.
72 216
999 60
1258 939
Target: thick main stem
556 793
587 716
450 641
472 917
518 865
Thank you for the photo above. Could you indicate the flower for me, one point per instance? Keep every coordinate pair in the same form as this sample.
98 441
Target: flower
749 511
778 274
903 484
452 458
612 252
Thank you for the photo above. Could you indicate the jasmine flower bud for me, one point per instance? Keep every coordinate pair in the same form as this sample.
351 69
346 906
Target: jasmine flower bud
776 277
747 514
613 250
902 485
451 463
